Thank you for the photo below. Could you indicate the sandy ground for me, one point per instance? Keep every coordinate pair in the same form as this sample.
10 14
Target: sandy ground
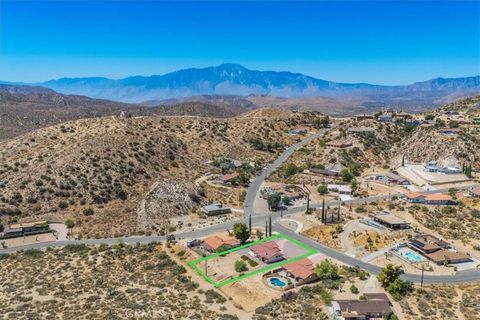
230 306
250 293
23 241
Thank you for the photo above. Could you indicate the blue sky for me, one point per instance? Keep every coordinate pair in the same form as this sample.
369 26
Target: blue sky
384 42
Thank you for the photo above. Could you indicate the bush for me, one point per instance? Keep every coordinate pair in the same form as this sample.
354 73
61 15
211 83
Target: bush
88 211
33 253
240 266
63 205
353 289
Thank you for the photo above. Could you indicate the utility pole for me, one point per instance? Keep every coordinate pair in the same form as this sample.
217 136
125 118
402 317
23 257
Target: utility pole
423 269
338 212
323 211
266 229
250 224
270 226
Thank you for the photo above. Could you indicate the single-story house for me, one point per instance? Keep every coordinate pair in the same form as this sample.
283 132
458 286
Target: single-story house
395 178
215 209
446 256
427 243
364 116
302 271
387 117
434 168
376 306
449 131
229 177
339 188
391 221
214 243
298 131
324 172
24 228
433 199
475 192
343 143
268 252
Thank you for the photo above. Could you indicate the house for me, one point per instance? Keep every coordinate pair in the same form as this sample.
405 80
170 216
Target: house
449 131
215 209
433 199
386 117
298 131
376 306
391 221
228 178
343 143
426 243
448 256
364 116
216 243
339 188
402 115
324 172
434 168
361 130
394 178
437 250
268 252
25 228
475 193
302 271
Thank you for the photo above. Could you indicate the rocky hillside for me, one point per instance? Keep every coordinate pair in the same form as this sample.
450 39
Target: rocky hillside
27 108
98 171
470 105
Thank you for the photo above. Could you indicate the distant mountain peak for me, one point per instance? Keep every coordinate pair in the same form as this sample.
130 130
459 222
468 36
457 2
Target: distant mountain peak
235 79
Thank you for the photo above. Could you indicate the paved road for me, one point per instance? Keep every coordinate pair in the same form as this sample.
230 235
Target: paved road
460 277
259 219
254 187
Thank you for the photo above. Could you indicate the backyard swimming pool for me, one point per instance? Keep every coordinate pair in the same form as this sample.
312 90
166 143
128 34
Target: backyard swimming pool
277 282
410 255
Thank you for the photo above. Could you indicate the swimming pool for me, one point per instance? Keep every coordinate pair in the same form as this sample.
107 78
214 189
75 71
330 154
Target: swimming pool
277 282
410 255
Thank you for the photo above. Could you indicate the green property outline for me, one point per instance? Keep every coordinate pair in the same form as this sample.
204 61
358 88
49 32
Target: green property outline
193 263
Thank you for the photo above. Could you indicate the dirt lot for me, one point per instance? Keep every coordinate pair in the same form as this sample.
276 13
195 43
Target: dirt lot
250 293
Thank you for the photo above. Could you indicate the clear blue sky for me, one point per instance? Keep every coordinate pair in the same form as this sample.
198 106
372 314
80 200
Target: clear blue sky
385 42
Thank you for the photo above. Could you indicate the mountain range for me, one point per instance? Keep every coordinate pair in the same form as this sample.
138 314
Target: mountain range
234 79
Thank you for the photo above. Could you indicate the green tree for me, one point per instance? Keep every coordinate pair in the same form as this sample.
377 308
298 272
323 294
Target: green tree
240 266
273 201
399 288
327 270
241 232
389 274
346 175
286 200
389 278
322 189
69 224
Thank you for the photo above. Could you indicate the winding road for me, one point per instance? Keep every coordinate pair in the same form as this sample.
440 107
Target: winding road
259 219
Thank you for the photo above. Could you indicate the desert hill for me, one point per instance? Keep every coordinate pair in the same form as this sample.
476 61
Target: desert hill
98 170
26 108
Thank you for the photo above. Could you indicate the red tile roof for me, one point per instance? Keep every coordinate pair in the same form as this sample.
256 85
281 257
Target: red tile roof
266 250
216 242
302 269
